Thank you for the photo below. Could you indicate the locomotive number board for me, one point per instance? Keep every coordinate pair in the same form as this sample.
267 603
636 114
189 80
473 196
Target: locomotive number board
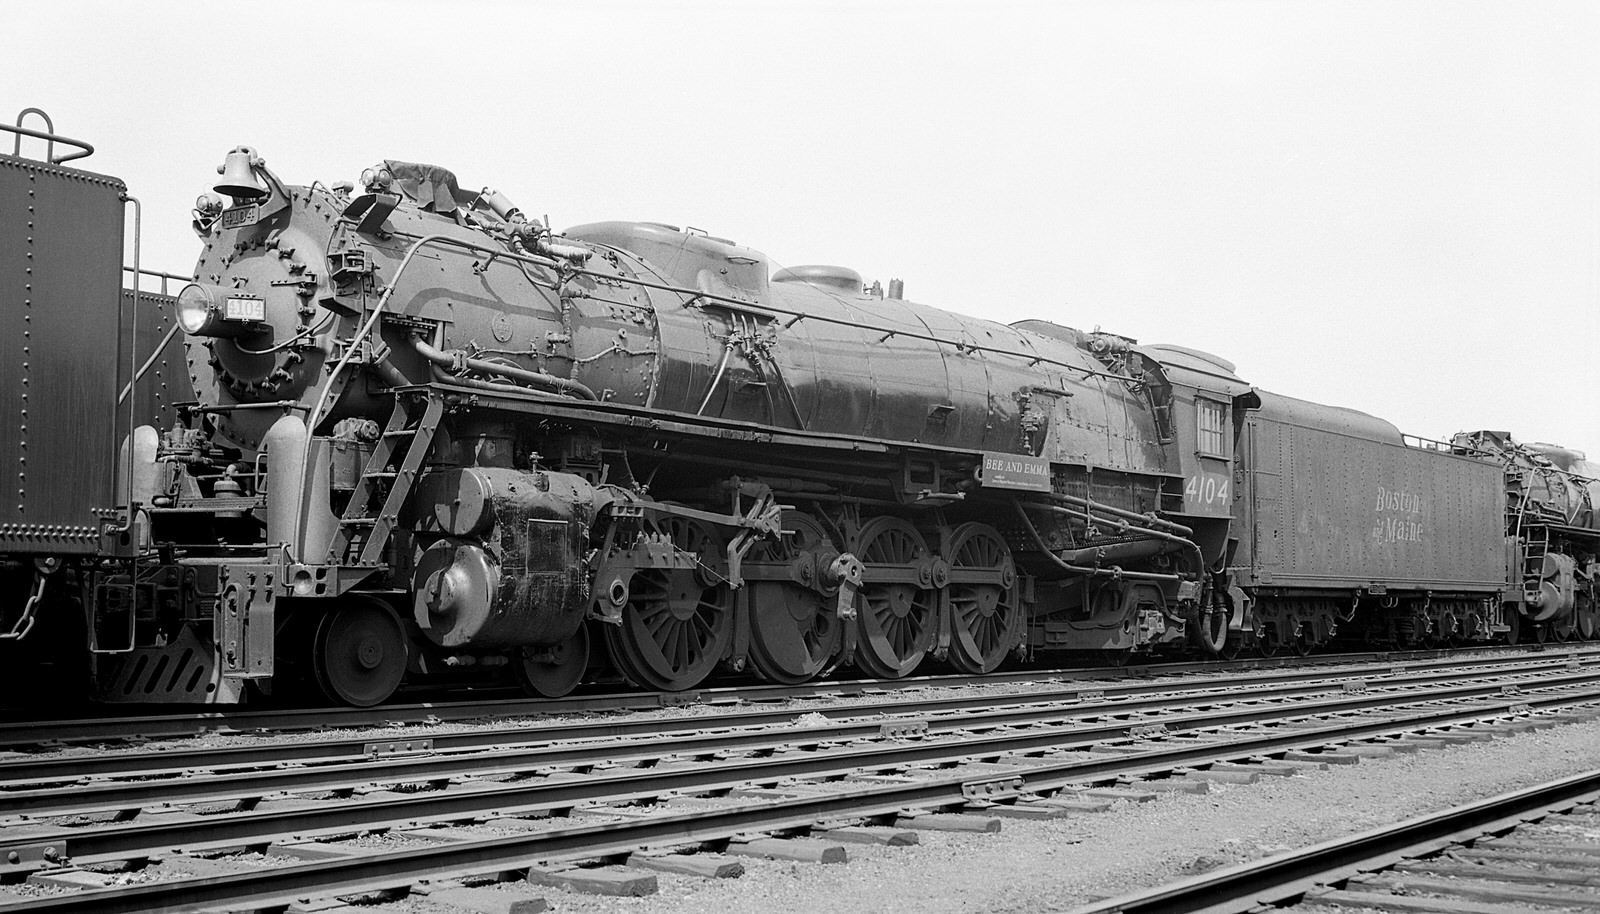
238 216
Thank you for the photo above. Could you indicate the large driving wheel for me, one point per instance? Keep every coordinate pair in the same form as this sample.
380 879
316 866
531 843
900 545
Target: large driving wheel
677 623
899 608
358 652
985 617
794 630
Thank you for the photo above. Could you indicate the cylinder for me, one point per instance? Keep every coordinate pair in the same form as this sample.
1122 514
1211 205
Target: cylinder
508 570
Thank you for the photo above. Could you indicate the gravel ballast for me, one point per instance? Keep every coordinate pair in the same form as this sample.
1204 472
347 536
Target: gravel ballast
1044 865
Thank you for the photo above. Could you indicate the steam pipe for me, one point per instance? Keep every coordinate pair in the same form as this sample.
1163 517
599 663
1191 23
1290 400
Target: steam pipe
444 377
1142 519
1187 545
1080 569
536 379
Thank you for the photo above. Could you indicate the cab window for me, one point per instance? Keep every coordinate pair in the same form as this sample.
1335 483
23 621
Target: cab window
1210 437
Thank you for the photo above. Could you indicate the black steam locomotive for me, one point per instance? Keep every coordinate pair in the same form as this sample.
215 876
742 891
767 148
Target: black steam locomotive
422 437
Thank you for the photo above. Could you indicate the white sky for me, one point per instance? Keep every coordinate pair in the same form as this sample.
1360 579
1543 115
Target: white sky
1392 206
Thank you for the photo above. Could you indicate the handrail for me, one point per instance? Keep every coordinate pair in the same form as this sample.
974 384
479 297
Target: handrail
164 277
777 313
138 293
131 339
50 137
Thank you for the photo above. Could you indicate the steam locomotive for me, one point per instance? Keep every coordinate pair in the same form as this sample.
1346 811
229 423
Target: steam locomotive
402 432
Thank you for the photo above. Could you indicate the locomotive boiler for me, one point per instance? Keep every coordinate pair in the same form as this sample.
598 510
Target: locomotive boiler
432 437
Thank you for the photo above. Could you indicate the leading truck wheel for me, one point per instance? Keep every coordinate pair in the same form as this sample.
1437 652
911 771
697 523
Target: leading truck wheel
677 623
358 654
984 612
794 630
1563 628
899 613
554 671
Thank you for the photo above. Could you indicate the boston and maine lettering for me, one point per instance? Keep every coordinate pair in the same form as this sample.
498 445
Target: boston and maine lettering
1399 517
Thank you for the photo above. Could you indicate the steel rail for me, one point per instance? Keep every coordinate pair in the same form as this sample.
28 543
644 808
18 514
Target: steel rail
119 842
376 871
1114 697
1087 722
59 730
1284 877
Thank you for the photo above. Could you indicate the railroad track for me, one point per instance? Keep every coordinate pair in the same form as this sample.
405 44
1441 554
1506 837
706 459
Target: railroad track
741 729
455 813
128 782
27 731
1509 853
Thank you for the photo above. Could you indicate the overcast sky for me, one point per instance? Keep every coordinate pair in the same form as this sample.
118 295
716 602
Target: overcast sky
1392 206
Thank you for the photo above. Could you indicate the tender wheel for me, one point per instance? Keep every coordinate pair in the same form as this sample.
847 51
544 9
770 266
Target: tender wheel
358 654
1451 633
1231 649
1513 627
1588 628
899 610
1268 643
1302 645
794 631
551 672
985 616
677 624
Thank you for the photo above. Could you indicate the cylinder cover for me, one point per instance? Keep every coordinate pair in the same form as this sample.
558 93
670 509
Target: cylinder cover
508 571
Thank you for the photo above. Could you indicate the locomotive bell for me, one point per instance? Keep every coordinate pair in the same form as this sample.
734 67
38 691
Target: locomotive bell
239 179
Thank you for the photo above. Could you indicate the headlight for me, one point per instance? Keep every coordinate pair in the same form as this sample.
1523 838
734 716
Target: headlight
193 308
203 310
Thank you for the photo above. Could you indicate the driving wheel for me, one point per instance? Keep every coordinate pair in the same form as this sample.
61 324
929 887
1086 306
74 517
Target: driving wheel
794 630
899 609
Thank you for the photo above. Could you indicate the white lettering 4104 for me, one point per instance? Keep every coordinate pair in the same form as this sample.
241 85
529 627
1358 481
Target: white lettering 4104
1207 490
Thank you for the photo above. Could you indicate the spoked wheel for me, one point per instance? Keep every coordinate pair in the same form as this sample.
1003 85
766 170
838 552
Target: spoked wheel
358 653
1588 629
984 614
899 611
676 624
794 630
554 671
